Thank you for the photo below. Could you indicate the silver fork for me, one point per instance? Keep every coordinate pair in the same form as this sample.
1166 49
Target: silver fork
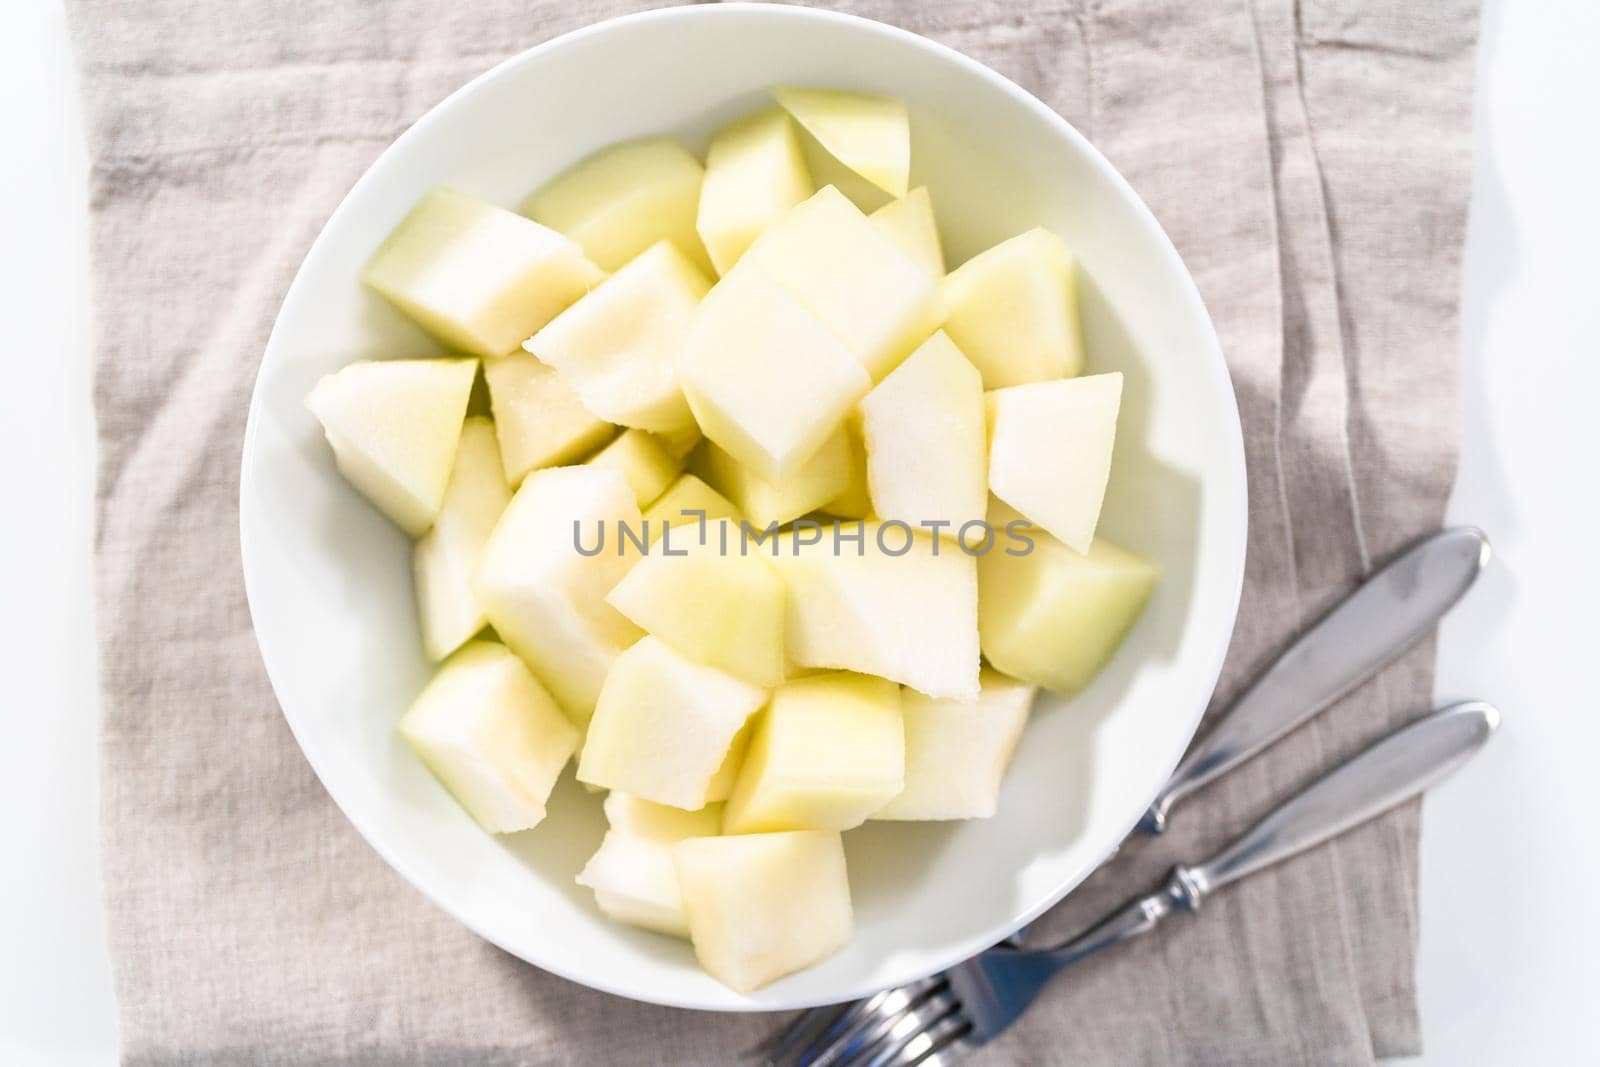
1387 614
940 1020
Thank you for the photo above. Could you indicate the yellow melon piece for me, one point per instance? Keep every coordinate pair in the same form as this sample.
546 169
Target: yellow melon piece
762 906
394 426
663 725
445 557
957 753
768 383
476 276
691 503
644 464
910 224
1013 311
890 602
1050 451
870 134
632 874
856 281
828 751
717 605
544 574
820 479
624 198
619 346
1049 615
755 172
539 419
492 736
924 430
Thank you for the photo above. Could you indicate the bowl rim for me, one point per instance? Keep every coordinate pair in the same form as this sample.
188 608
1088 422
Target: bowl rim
1220 383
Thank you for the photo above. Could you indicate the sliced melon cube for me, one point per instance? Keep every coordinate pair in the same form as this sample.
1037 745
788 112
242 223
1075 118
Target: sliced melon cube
924 427
957 754
638 817
820 479
1052 616
910 224
754 173
679 443
663 725
622 199
544 596
828 752
768 383
635 883
723 781
476 276
394 426
856 500
618 347
492 736
446 556
764 905
645 465
540 420
723 608
869 134
1050 451
904 608
1013 311
854 279
632 874
688 502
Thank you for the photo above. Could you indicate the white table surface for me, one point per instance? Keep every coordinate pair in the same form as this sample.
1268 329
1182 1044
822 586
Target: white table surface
1510 939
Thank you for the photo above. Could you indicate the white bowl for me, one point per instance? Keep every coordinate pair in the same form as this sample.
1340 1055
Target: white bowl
329 579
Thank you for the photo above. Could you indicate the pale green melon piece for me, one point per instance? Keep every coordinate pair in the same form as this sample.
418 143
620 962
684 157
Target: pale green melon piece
663 725
1051 616
868 133
646 466
619 346
714 602
539 419
688 502
478 277
445 557
828 751
492 736
857 282
767 382
632 875
820 479
394 426
761 906
957 753
755 172
924 429
1050 451
909 222
1013 311
624 198
544 574
898 606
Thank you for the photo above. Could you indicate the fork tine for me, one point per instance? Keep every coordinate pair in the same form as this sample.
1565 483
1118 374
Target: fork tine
859 1016
897 1032
845 1032
817 1031
801 1030
942 1044
865 1043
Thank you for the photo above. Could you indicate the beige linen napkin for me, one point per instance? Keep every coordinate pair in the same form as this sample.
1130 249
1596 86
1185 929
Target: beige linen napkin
1309 157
